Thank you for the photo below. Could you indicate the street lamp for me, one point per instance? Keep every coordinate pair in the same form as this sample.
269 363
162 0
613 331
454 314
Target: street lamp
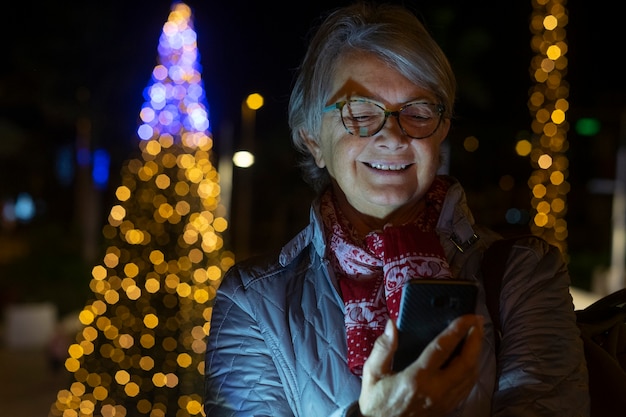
249 107
244 158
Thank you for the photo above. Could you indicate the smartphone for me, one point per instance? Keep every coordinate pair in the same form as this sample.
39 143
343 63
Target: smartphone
427 306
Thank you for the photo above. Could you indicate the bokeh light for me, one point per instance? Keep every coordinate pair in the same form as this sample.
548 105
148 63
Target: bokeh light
548 103
141 349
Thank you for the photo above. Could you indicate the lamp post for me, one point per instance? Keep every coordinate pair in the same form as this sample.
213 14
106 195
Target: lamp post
244 159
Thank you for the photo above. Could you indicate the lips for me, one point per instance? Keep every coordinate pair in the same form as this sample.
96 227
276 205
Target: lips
389 167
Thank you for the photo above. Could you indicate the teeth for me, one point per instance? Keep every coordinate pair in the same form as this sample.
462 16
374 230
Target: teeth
388 167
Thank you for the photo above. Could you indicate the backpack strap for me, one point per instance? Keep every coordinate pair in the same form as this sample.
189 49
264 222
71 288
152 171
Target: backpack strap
493 266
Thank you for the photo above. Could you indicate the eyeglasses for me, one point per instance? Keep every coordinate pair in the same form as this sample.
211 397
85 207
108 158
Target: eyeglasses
365 118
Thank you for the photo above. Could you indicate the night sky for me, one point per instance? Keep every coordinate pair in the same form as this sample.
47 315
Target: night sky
54 54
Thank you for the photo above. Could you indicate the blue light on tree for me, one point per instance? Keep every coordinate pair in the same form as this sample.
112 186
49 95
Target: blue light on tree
175 99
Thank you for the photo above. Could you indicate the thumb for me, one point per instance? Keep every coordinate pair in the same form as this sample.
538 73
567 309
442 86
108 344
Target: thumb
380 360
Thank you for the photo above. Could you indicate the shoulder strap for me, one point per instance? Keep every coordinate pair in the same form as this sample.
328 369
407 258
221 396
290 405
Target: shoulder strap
493 265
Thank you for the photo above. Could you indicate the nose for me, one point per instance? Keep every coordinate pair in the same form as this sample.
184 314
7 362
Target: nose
392 135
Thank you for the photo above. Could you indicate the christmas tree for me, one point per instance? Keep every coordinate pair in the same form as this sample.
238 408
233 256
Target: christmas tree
141 349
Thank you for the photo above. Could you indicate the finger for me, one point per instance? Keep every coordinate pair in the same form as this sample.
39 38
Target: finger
462 377
439 349
379 363
446 387
473 341
465 367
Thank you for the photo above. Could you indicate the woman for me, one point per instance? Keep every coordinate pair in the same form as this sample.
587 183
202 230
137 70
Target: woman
311 331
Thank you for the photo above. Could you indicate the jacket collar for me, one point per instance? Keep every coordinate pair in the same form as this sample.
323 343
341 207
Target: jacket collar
455 227
313 233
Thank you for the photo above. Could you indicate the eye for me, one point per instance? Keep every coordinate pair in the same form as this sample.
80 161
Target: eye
419 112
362 112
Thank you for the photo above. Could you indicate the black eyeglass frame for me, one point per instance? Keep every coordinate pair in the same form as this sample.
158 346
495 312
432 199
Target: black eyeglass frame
340 105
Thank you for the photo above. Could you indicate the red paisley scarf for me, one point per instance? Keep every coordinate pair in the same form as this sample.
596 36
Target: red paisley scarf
371 272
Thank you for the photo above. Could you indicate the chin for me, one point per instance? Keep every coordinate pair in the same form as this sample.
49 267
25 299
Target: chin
393 202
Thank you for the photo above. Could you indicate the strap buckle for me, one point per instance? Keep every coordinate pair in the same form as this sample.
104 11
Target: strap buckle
462 246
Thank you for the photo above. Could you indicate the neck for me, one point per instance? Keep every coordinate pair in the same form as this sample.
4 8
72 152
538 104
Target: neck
364 223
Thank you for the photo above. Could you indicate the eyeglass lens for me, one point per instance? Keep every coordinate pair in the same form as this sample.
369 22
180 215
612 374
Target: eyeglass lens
364 118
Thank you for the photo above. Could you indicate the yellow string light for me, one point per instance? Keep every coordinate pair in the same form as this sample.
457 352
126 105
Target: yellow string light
548 105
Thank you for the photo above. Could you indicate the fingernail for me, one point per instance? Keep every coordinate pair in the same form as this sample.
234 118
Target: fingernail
389 329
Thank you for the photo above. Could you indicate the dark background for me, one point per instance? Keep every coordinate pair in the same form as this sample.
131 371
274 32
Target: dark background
88 60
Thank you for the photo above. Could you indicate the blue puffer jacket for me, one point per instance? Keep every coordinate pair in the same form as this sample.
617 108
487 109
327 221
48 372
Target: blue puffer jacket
277 341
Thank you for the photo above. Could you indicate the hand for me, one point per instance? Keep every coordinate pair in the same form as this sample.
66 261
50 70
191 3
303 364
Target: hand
423 388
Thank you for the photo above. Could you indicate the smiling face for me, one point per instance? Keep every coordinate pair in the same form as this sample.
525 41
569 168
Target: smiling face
381 175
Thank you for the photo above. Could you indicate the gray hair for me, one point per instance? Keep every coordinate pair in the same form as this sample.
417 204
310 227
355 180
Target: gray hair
391 32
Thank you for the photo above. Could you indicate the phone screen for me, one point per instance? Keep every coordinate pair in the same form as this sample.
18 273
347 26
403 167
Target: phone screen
426 308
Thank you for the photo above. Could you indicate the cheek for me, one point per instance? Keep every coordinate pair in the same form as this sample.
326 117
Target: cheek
427 150
337 148
345 151
334 157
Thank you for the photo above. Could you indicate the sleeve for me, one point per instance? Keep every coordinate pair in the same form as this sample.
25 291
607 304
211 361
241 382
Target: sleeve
241 378
541 364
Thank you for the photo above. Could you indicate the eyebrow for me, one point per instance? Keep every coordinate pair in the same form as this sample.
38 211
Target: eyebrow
423 100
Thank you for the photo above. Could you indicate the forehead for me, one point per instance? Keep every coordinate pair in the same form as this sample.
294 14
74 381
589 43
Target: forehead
363 74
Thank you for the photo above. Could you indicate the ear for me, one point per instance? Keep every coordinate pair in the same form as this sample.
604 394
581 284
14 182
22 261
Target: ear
314 148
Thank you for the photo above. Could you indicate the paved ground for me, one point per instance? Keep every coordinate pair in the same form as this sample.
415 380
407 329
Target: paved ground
28 384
